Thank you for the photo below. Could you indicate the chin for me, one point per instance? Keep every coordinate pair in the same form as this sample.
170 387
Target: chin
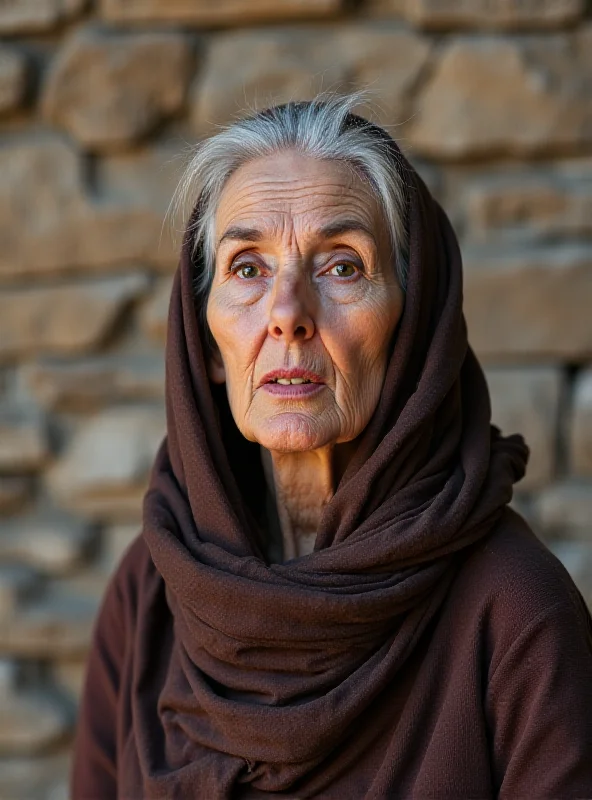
293 432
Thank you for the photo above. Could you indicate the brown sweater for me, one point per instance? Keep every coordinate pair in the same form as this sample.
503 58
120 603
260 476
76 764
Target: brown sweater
495 700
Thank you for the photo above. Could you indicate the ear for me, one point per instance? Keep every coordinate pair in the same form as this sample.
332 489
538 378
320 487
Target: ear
215 366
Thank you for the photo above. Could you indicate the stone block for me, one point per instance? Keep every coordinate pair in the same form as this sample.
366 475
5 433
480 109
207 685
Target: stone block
37 777
9 672
104 470
566 509
521 96
23 437
253 69
101 92
121 505
526 400
542 205
149 174
13 78
111 234
386 8
68 675
224 12
88 384
580 438
529 302
49 541
36 16
69 319
55 624
439 14
16 583
154 312
31 722
40 198
14 493
49 225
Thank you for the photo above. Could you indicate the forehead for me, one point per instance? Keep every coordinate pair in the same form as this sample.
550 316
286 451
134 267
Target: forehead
308 191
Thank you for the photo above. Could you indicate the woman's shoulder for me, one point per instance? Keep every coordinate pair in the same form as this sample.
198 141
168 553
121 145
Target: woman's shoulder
511 582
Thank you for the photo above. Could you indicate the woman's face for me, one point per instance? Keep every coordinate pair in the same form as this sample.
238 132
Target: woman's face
304 290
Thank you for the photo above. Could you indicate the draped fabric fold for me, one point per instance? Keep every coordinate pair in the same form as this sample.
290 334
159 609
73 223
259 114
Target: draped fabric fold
274 666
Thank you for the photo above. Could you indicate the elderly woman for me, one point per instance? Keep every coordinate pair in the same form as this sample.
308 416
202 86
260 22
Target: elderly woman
330 597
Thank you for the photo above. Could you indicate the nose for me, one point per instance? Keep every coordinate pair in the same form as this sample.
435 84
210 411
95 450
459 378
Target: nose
291 314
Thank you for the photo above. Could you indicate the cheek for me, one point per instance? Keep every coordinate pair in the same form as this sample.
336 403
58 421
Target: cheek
360 334
237 329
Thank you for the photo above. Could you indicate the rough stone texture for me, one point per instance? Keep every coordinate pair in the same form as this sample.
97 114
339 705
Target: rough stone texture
55 624
69 676
153 316
38 778
90 383
123 442
382 56
100 90
149 174
14 493
9 672
543 205
49 224
16 582
530 302
500 127
464 109
581 425
526 400
31 723
13 78
566 508
49 541
493 13
223 12
68 319
35 16
40 187
23 439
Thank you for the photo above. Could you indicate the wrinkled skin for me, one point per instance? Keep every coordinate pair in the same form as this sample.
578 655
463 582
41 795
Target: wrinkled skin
288 292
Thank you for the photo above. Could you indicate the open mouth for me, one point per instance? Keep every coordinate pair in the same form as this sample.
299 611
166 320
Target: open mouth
293 382
290 381
293 376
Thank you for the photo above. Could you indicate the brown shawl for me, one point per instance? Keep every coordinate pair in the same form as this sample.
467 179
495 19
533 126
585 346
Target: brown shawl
272 666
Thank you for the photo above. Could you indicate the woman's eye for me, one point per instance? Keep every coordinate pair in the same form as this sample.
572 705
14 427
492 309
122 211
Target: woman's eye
343 270
247 271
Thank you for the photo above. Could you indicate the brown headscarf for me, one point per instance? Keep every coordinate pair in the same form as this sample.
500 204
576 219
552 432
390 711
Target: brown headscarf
273 666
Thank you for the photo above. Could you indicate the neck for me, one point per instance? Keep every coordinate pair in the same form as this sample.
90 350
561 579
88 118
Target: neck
301 484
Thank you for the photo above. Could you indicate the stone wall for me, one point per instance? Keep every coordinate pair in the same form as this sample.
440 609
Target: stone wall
99 103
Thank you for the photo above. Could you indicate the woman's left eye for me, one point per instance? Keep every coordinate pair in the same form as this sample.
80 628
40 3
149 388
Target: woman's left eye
247 271
343 269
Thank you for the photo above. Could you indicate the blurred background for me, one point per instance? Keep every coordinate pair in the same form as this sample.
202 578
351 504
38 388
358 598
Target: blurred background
99 104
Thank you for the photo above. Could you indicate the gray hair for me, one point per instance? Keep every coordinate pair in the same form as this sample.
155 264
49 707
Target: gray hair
314 128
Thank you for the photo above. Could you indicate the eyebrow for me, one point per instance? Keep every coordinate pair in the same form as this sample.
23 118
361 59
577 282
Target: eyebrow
329 231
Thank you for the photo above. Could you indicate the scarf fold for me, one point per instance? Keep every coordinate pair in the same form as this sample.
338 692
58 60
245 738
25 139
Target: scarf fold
274 666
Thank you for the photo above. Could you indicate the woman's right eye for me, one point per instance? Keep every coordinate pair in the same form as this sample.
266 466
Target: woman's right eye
246 271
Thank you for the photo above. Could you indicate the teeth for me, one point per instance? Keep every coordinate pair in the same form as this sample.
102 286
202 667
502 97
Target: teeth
288 381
